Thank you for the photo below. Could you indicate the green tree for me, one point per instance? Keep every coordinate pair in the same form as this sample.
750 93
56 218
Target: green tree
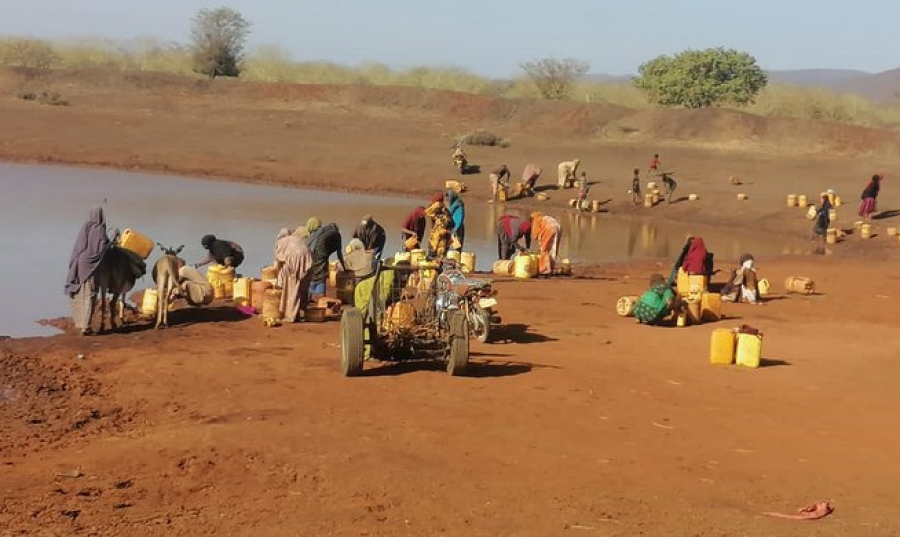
555 78
702 78
218 37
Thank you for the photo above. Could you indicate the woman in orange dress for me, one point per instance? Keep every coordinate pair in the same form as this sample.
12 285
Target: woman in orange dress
545 230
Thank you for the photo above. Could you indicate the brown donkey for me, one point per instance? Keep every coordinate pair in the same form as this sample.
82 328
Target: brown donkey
165 273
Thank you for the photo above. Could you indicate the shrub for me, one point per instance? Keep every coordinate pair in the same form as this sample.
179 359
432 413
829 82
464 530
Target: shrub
554 78
483 137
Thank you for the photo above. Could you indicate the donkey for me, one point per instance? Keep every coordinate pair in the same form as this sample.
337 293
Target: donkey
115 275
165 273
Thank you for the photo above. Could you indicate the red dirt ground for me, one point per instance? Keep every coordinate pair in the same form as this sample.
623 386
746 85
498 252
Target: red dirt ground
577 421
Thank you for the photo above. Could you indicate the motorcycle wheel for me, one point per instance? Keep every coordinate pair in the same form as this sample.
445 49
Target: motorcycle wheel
480 324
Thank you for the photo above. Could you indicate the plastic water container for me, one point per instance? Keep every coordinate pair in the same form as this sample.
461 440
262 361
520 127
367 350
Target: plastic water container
525 267
149 302
865 231
258 294
138 243
749 350
763 287
710 306
272 305
802 201
792 200
625 305
467 261
416 256
721 347
243 292
503 267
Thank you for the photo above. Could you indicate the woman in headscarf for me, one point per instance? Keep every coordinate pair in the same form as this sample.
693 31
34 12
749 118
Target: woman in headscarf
695 260
413 228
545 230
822 220
656 303
743 284
293 261
510 230
441 223
91 245
458 216
223 252
869 198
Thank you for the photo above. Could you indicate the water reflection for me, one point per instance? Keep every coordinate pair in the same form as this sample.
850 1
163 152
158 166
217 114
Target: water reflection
42 207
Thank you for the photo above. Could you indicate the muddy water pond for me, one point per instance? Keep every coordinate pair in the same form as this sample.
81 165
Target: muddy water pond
42 208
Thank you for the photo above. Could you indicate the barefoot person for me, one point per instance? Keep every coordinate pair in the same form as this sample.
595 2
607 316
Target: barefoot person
510 231
743 286
656 303
293 262
636 186
870 198
499 183
530 176
323 241
223 252
91 244
545 230
413 229
822 220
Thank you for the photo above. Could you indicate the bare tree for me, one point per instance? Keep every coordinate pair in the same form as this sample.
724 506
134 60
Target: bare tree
218 37
555 78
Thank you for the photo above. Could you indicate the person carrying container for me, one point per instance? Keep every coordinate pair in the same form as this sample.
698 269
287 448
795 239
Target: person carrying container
413 229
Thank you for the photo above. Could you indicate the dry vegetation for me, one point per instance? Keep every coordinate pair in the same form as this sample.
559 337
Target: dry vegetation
274 64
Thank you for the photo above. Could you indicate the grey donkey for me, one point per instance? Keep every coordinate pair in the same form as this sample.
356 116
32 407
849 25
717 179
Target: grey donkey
165 273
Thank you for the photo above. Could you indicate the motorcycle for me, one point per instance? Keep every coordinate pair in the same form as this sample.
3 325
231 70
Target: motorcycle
475 296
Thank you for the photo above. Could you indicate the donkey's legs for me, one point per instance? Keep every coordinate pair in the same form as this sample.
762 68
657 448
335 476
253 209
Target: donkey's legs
113 310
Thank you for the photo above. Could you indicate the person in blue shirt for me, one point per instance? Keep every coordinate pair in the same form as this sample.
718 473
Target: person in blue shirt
458 214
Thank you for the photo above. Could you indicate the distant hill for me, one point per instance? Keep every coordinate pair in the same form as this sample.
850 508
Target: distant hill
884 86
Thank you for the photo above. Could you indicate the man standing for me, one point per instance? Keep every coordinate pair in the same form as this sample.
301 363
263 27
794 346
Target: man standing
510 230
372 235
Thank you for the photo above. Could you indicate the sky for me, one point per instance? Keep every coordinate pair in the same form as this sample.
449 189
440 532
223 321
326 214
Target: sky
493 37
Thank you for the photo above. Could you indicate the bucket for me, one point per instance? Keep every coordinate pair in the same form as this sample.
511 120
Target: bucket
243 292
710 306
865 231
831 236
138 243
749 350
721 346
734 180
271 309
345 283
149 302
694 311
258 294
416 256
625 305
315 314
503 267
573 203
693 197
801 200
763 287
268 273
648 200
467 262
524 266
595 206
799 284
792 200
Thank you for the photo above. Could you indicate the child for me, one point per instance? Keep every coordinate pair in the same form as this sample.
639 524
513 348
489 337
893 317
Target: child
654 164
636 187
582 191
670 185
